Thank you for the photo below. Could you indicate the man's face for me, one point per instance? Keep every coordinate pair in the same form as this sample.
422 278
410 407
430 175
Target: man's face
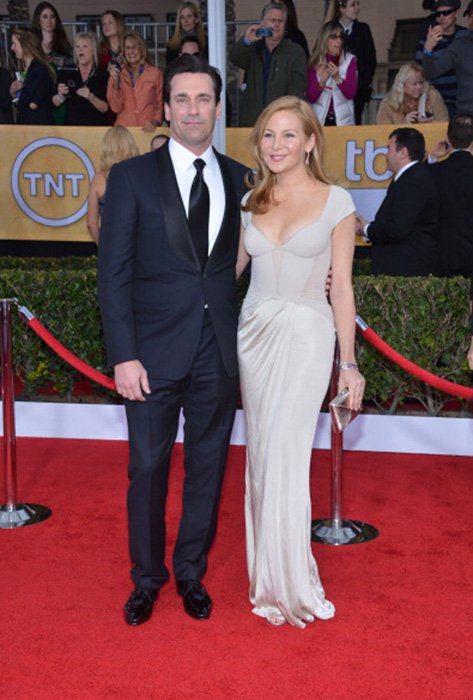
192 110
446 21
276 20
393 156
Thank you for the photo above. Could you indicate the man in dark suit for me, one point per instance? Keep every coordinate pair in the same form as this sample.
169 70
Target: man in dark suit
453 179
359 40
403 233
168 247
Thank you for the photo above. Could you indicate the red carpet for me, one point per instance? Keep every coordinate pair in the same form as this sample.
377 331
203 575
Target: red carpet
403 623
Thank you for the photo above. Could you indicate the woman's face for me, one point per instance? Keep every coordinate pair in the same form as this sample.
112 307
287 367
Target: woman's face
132 53
84 52
414 86
47 20
350 11
284 145
188 20
335 43
109 26
16 47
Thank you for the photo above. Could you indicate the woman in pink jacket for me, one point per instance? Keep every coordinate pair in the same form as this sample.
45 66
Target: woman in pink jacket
135 91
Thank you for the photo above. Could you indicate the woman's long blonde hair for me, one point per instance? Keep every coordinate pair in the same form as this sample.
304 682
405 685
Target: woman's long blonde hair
117 144
319 52
175 41
262 180
396 94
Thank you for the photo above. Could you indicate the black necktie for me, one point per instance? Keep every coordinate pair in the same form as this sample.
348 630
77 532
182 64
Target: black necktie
199 207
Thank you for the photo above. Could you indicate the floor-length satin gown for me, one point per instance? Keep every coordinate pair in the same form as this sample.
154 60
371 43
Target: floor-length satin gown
285 345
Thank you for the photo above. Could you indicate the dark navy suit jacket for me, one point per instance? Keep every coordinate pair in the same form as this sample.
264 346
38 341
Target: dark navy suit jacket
152 290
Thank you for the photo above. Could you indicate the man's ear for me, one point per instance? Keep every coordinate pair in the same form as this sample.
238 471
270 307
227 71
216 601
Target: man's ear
218 110
167 112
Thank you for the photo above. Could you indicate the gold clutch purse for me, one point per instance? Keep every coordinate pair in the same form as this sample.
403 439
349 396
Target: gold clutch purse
341 414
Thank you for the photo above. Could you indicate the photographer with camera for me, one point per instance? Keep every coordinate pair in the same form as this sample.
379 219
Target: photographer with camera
84 87
274 66
412 99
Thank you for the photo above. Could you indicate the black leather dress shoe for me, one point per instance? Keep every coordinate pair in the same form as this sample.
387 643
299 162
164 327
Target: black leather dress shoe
197 602
139 606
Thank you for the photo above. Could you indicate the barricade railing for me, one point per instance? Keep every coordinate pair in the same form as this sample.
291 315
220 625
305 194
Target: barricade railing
334 530
12 513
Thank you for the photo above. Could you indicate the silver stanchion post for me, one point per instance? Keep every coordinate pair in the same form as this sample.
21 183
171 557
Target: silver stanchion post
12 514
335 530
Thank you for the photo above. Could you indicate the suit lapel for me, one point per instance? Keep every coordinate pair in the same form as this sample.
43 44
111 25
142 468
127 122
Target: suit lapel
177 229
227 227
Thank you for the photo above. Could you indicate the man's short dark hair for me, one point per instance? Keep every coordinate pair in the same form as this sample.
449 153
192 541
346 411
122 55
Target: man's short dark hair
460 130
412 140
190 39
191 64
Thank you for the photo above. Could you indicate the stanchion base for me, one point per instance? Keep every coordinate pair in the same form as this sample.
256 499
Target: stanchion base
350 532
22 514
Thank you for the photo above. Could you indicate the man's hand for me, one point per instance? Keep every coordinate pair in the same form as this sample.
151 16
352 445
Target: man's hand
131 379
434 35
360 224
440 150
250 34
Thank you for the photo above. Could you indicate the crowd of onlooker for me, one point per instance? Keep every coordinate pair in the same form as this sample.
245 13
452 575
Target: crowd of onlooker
111 80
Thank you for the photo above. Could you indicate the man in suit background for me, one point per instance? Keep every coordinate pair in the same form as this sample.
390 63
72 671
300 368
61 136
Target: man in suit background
167 254
359 41
403 233
453 179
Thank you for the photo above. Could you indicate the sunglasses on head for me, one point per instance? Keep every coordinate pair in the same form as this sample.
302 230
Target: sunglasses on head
444 13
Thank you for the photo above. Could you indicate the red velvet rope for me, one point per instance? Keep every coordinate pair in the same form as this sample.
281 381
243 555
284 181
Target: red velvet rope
68 356
437 382
443 384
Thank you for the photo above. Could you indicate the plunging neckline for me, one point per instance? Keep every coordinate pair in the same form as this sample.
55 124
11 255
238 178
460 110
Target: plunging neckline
298 230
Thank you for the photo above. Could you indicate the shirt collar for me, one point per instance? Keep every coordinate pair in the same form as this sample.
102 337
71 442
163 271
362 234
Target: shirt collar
404 168
183 159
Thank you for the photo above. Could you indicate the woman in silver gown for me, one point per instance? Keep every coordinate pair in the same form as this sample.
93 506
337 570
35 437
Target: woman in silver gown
296 226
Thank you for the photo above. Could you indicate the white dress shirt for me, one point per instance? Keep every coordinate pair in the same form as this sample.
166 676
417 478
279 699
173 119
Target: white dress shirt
183 163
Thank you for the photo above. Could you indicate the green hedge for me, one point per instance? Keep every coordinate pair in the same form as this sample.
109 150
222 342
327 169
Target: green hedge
425 319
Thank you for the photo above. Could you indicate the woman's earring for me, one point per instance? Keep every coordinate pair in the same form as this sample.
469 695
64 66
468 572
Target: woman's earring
307 157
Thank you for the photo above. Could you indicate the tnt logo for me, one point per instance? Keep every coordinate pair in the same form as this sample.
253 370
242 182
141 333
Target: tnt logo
50 181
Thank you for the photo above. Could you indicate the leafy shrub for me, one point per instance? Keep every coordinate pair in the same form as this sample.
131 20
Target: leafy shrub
425 319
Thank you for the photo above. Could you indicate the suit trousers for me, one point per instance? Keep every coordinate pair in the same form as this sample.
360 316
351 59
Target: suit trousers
208 398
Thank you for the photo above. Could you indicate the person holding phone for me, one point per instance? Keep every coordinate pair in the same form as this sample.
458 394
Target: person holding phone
412 99
440 34
84 88
274 66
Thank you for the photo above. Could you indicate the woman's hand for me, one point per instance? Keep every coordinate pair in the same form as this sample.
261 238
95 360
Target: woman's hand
412 117
15 87
323 73
114 71
150 126
84 92
63 89
470 355
334 72
352 380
